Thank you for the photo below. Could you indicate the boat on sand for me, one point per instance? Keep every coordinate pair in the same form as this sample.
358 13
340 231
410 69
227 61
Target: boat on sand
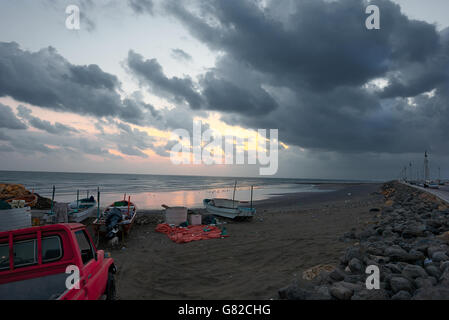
117 218
82 209
237 210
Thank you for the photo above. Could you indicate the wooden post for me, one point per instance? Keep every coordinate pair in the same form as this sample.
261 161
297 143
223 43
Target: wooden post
98 203
233 196
251 197
52 199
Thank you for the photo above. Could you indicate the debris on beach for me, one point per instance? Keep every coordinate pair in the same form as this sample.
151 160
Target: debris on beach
147 219
408 242
17 195
42 203
9 191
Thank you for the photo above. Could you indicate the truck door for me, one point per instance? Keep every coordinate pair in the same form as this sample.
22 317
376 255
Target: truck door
90 266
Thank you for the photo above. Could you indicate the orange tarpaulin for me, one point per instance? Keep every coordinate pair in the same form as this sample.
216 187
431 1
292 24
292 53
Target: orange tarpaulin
191 233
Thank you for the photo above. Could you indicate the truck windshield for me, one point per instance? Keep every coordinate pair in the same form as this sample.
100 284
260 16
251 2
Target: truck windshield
86 249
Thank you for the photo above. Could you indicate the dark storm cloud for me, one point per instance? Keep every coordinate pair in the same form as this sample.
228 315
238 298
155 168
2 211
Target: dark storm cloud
93 76
150 73
30 144
129 141
224 95
416 78
141 6
218 93
56 128
46 79
305 70
26 142
179 54
323 44
8 119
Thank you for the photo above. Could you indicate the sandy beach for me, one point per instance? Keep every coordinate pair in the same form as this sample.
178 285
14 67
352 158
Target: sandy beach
290 234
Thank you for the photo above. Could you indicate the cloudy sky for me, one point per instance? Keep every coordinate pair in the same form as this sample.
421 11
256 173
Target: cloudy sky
348 102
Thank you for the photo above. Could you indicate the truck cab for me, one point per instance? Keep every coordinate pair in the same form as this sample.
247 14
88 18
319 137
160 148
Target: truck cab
54 262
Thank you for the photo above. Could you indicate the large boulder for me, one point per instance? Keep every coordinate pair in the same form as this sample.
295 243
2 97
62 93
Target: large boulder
439 256
341 292
400 283
355 265
396 253
414 230
433 271
294 292
414 271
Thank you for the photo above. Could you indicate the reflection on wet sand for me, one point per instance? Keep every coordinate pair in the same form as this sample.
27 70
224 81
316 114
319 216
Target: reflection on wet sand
194 198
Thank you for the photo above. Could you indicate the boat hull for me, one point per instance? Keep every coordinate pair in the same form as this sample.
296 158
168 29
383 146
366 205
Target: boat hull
231 213
82 214
125 226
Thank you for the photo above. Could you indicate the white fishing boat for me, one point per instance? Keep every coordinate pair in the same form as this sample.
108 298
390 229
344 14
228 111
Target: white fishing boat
82 209
229 208
433 185
232 209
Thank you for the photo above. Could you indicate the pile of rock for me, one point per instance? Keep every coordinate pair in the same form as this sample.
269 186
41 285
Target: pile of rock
408 241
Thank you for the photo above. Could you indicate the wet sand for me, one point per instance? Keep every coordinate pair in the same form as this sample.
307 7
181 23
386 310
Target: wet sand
290 234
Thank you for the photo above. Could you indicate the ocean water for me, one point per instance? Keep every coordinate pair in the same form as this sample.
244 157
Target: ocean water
151 191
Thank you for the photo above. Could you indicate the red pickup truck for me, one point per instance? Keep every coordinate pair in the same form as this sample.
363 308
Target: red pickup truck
56 261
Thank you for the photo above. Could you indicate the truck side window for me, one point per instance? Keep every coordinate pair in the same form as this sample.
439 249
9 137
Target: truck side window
51 249
4 256
25 253
86 250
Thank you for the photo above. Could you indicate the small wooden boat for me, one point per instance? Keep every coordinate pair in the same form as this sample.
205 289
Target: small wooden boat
30 200
128 211
229 208
232 209
80 210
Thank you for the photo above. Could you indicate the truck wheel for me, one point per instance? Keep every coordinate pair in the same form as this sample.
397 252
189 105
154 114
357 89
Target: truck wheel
110 287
